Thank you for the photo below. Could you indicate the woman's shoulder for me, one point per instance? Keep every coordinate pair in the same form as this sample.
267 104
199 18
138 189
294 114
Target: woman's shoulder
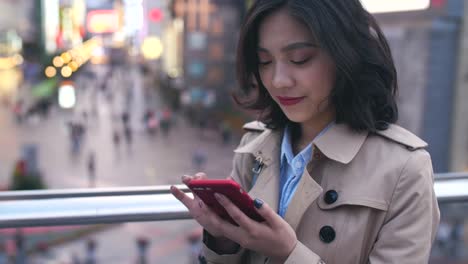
254 126
399 135
252 131
399 148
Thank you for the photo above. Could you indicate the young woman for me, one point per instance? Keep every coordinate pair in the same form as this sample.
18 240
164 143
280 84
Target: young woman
336 180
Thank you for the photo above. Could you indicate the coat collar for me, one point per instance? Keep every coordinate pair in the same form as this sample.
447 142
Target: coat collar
267 145
338 143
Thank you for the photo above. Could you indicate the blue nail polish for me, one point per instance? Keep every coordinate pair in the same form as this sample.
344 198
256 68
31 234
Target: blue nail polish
258 203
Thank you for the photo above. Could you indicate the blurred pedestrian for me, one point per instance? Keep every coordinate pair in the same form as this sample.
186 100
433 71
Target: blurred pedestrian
225 131
166 121
90 252
151 122
128 135
76 130
194 240
125 118
18 110
142 246
443 237
199 159
456 239
116 139
91 164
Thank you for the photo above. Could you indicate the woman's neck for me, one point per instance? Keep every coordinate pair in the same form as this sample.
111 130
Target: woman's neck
308 131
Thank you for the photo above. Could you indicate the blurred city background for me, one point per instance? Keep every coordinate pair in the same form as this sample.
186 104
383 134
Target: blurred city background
108 93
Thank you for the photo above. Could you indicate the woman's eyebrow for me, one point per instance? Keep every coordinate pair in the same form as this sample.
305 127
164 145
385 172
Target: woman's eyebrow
292 46
299 45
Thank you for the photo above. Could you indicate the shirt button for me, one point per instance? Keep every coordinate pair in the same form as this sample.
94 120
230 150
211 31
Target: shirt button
327 234
330 197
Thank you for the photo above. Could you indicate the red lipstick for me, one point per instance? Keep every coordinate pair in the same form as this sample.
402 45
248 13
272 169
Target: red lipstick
287 101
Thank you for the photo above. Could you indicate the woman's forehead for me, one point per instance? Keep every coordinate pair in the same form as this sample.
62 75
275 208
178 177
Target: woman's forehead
280 30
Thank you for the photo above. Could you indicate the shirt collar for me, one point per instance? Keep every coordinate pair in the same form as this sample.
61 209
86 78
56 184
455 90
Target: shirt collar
286 146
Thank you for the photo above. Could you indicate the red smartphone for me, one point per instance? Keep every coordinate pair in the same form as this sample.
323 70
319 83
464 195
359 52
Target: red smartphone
205 190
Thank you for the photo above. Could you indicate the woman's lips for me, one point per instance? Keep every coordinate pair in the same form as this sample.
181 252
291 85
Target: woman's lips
287 101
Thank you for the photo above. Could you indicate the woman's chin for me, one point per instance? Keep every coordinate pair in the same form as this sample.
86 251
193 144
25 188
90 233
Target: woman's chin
296 118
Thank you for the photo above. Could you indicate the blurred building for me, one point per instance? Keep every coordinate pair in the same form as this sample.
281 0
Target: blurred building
16 29
425 45
209 37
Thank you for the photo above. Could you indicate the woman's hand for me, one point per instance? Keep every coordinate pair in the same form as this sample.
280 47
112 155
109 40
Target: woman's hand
274 237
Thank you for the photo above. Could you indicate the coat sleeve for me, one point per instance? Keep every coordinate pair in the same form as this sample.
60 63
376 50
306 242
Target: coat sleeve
242 177
302 255
413 216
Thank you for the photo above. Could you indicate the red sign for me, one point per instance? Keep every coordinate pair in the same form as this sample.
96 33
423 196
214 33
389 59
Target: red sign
102 21
156 15
438 3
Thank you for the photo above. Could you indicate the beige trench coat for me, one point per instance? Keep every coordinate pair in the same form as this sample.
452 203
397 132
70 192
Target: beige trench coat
364 198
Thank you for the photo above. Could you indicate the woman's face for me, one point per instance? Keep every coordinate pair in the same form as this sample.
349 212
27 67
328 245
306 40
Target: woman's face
298 75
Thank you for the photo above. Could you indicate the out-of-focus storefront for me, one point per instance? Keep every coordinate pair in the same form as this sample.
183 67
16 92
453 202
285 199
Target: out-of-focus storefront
424 38
10 62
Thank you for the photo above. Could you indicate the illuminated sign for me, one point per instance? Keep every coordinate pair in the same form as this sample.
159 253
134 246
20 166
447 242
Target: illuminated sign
388 6
156 15
103 21
50 24
152 48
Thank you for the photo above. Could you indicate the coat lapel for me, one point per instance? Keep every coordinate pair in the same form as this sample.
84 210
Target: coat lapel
268 180
307 191
267 146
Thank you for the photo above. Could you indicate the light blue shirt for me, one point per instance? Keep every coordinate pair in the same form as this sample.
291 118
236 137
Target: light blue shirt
292 167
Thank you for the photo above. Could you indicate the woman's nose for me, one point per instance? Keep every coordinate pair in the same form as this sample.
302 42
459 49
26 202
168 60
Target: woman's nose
282 77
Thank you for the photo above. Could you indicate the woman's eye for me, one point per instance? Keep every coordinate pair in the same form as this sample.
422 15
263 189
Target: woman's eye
263 63
300 62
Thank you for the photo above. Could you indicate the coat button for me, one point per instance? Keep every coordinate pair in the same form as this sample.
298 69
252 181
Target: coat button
327 234
331 196
202 259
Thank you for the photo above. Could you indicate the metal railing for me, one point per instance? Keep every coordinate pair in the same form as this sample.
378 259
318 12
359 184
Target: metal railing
135 204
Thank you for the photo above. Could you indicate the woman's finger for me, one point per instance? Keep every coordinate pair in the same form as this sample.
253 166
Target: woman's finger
200 175
187 178
270 216
236 214
208 219
182 197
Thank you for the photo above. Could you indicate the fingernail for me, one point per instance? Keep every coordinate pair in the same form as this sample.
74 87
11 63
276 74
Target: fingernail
258 203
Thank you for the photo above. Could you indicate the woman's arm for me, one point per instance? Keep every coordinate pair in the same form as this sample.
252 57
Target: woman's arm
413 217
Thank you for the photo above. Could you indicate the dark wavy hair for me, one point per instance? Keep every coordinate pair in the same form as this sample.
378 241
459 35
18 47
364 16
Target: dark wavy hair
364 95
